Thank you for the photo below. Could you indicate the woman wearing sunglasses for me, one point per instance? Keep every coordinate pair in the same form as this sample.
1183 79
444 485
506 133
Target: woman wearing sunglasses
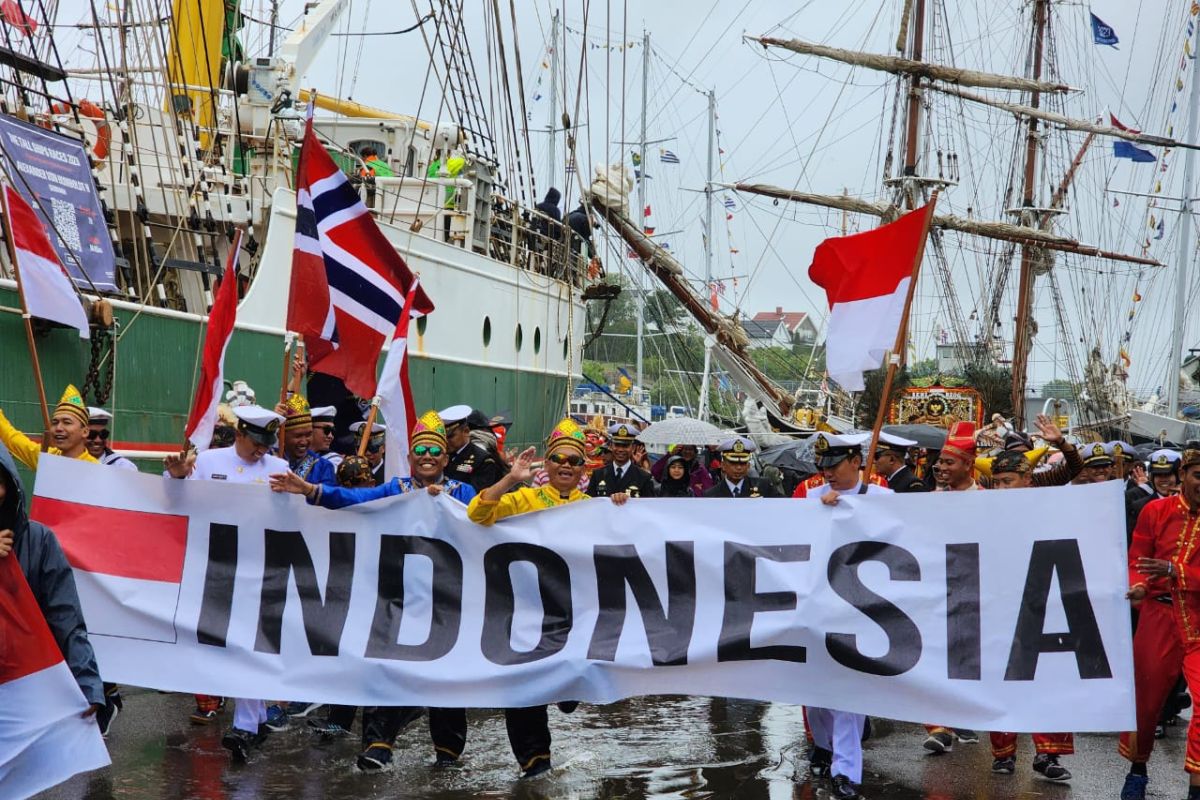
427 459
566 459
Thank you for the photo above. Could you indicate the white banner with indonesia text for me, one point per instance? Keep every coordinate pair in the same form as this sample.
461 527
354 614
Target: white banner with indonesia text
992 610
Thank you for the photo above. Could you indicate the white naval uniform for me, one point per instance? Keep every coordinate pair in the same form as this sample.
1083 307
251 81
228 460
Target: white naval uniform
840 732
111 459
333 458
224 464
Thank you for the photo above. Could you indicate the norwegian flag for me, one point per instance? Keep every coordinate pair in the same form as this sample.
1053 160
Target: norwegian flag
348 281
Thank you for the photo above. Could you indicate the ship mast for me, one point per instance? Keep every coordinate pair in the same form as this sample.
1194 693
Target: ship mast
550 129
702 405
641 212
1185 246
913 134
1021 338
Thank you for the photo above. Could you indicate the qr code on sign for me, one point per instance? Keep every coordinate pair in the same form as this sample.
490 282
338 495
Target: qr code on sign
66 223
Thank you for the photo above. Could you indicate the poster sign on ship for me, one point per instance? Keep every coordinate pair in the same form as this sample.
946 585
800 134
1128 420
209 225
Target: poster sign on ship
53 174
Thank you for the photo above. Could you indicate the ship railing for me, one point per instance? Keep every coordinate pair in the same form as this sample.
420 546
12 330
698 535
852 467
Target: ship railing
445 209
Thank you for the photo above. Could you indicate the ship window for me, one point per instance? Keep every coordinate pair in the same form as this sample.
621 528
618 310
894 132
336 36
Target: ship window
520 338
421 323
487 331
537 340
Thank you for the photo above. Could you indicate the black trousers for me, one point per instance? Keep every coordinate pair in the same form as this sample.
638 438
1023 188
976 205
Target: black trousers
381 724
528 732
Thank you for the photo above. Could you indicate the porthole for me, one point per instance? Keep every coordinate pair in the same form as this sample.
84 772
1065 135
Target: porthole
537 340
487 331
519 339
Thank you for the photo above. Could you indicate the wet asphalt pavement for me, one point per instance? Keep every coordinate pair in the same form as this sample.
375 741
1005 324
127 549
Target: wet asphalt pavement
644 748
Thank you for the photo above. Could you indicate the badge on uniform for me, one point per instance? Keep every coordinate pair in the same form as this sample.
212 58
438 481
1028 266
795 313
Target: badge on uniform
754 492
465 468
633 491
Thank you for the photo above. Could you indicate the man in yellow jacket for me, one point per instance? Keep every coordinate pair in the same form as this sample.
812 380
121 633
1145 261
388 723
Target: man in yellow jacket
529 728
68 432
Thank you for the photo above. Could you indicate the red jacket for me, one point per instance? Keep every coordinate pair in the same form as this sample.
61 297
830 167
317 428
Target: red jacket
1168 529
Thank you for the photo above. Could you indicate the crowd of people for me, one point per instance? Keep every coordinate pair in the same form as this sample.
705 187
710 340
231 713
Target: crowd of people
460 452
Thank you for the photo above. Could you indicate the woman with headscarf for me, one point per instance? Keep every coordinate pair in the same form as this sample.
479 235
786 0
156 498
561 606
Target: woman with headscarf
676 480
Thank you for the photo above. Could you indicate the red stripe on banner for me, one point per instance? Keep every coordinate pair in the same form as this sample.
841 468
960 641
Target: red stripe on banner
116 541
27 646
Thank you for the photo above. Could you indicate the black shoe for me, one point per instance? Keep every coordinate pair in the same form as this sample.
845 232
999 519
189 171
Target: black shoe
376 757
1160 731
1046 765
538 767
940 742
841 788
444 761
1135 787
107 715
819 761
866 734
966 736
239 743
567 706
1004 766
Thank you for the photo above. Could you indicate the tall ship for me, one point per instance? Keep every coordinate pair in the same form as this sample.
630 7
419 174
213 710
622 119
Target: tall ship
191 116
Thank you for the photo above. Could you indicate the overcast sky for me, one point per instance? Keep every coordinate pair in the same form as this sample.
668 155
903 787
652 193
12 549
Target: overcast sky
817 126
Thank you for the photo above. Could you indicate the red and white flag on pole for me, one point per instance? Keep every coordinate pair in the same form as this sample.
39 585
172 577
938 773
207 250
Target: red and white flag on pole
866 278
395 394
203 417
43 738
48 291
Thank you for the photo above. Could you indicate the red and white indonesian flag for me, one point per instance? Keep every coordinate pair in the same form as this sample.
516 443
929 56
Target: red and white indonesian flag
43 738
866 278
395 394
48 291
128 565
203 417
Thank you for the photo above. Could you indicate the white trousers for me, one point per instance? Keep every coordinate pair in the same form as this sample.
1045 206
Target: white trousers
839 732
249 714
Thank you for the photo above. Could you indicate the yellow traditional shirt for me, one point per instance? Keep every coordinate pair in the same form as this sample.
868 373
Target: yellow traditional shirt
524 499
26 450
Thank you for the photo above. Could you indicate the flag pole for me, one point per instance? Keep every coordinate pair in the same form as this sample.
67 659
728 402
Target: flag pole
901 337
365 437
33 355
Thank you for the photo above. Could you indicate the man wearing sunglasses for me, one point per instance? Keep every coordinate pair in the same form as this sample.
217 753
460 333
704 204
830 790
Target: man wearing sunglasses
621 476
427 459
529 728
323 427
97 440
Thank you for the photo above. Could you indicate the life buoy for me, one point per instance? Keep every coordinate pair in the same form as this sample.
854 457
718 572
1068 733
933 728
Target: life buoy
95 115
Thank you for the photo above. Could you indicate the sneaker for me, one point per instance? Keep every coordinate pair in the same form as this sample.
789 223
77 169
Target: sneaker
1046 765
842 788
539 767
107 715
376 757
819 761
202 717
277 718
966 736
327 730
301 710
239 743
1135 787
1004 766
939 742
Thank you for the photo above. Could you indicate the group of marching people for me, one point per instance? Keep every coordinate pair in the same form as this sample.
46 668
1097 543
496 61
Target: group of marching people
459 452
